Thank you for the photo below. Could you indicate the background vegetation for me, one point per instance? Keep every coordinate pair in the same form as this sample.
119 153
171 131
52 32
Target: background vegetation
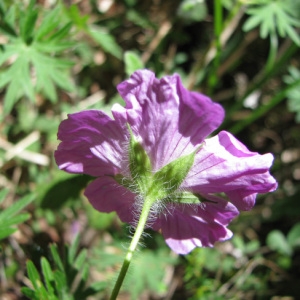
59 57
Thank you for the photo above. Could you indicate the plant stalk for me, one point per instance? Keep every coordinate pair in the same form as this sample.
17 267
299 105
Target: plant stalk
134 242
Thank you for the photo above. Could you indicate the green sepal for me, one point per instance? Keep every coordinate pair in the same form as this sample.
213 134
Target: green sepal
168 179
139 164
185 198
162 185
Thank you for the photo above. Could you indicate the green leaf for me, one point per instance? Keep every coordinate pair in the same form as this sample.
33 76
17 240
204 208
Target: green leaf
192 10
7 19
75 16
33 275
51 47
105 40
48 275
6 231
27 22
48 24
29 293
293 236
3 9
132 62
9 51
273 17
16 207
139 19
49 71
36 67
9 218
73 250
277 242
61 33
60 282
253 21
15 220
80 259
7 24
66 281
56 257
19 80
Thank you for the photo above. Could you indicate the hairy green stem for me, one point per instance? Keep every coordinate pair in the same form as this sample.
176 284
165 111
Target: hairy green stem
134 242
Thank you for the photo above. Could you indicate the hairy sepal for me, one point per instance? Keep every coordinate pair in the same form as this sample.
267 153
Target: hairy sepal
140 165
185 198
168 179
162 185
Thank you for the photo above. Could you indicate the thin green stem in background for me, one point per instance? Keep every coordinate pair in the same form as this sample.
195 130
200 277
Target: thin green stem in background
228 25
218 26
134 242
272 53
259 81
262 110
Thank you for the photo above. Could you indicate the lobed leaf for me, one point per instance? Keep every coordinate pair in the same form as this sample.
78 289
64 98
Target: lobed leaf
273 16
48 24
15 208
27 22
105 40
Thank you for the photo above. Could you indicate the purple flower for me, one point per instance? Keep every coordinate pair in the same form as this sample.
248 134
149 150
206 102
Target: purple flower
157 147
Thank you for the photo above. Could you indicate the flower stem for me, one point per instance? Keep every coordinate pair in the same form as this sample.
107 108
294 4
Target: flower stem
134 242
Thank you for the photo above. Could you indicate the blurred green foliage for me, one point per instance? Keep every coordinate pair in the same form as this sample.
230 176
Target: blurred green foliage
66 281
58 58
274 18
147 272
11 216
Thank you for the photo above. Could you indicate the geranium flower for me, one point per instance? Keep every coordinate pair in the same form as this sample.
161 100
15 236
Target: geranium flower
156 148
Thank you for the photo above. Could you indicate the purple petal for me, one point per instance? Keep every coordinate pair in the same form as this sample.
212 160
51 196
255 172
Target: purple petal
224 164
193 226
106 195
169 120
92 143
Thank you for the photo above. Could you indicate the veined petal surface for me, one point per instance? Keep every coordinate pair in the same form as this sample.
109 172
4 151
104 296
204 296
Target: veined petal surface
225 165
169 120
92 143
106 195
190 226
